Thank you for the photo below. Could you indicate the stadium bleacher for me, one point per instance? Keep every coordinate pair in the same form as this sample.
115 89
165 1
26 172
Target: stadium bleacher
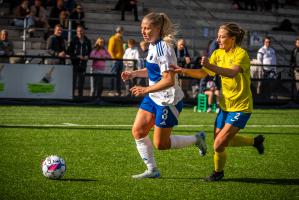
197 20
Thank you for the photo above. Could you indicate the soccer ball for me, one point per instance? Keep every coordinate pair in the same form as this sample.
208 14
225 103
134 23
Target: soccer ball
53 167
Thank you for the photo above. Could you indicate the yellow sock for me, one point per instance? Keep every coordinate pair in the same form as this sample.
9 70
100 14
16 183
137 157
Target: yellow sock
239 141
219 161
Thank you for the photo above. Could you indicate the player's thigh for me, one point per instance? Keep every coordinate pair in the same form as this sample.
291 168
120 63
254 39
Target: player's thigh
144 121
217 92
208 92
216 132
162 137
224 137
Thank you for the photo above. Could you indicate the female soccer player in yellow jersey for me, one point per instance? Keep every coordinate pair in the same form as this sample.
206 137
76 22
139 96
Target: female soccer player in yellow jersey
232 63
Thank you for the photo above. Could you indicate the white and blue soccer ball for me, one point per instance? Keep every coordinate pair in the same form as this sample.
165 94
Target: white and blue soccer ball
53 167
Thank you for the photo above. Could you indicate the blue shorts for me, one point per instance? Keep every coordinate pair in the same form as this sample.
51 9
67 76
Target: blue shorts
165 116
237 119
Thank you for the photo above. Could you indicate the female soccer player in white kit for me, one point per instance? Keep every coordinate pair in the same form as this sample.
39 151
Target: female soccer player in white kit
162 103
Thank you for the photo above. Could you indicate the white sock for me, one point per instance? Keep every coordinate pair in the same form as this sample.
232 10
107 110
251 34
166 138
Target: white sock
146 151
181 141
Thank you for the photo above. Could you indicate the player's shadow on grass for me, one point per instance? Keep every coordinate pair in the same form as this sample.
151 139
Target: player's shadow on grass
279 181
87 128
250 132
78 180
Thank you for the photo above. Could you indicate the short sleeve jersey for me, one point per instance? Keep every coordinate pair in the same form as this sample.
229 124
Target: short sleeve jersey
160 57
235 92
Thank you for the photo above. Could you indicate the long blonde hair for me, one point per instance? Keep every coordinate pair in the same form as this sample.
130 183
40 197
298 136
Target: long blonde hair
168 30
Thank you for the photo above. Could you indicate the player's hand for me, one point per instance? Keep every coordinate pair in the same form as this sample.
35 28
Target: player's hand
204 61
177 69
138 91
126 75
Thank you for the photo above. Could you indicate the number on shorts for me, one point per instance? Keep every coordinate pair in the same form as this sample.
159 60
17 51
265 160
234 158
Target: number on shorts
165 114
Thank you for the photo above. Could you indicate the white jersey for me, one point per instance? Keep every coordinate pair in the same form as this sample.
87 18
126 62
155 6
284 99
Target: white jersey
131 53
267 56
158 60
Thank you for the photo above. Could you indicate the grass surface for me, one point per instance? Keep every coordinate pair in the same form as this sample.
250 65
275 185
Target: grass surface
101 156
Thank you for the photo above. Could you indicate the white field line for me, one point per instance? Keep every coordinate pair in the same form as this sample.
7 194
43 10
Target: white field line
65 125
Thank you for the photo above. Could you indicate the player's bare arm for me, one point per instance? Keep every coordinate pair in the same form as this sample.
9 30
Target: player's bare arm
231 73
194 73
166 82
126 75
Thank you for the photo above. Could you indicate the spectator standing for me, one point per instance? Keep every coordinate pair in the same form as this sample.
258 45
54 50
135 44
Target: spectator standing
184 60
130 53
141 63
98 66
6 47
64 22
143 51
39 14
79 50
56 46
266 56
295 64
181 51
129 5
77 17
116 50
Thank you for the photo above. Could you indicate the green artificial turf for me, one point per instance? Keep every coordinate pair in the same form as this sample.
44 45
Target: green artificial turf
100 155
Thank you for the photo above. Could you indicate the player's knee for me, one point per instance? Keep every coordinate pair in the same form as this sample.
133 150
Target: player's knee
218 147
161 145
138 133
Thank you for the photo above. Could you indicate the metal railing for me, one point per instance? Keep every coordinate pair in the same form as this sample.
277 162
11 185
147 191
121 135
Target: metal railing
279 87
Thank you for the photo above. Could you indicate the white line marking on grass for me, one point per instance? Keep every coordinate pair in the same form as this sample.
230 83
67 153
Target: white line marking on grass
129 125
69 124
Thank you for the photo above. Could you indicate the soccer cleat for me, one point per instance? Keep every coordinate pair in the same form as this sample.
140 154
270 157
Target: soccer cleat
259 143
209 110
148 174
201 143
215 176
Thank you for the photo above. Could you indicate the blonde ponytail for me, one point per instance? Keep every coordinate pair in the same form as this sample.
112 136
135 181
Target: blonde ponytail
168 30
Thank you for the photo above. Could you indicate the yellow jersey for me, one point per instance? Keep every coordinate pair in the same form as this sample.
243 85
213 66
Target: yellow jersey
115 47
235 92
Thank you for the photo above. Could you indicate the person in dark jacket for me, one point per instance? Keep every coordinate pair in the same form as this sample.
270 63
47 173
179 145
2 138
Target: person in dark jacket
6 47
183 57
77 17
79 50
128 5
56 46
55 12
